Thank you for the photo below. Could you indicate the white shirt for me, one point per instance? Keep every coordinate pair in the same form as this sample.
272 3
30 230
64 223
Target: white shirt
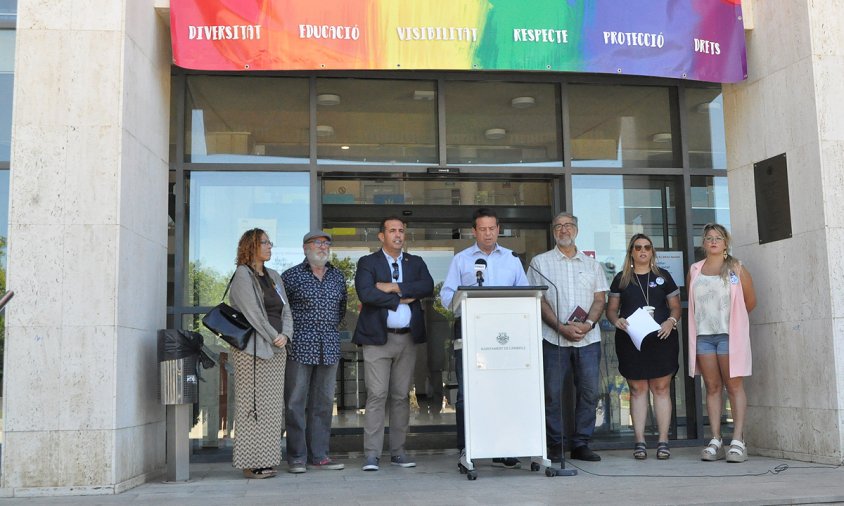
579 278
503 268
399 318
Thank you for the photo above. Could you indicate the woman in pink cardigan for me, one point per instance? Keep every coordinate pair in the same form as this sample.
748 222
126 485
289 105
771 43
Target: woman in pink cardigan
720 297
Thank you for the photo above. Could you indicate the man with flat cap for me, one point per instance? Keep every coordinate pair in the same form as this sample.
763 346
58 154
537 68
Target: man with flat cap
317 293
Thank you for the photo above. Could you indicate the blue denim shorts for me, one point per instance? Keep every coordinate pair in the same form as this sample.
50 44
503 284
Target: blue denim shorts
713 344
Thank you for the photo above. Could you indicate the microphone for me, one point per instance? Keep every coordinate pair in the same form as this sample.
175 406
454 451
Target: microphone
480 267
557 301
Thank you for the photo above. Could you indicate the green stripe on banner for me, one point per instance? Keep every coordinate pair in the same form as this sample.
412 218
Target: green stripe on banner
532 35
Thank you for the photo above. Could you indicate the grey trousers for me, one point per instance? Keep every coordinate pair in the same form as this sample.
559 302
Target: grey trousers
388 370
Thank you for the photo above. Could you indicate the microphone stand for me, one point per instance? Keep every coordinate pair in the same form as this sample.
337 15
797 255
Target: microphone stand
561 471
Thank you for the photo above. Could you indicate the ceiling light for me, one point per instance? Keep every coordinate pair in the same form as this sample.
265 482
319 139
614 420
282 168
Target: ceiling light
423 95
523 102
344 147
661 137
324 130
495 134
328 99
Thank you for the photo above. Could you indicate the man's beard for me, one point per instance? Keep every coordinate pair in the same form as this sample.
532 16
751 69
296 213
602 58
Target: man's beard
317 258
565 242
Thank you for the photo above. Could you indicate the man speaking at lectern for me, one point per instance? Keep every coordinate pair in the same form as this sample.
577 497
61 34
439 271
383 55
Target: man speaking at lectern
485 263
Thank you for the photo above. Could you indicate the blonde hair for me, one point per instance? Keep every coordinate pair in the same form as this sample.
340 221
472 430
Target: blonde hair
731 264
627 273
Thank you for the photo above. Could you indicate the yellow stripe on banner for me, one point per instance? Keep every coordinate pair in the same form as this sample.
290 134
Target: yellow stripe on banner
341 231
444 34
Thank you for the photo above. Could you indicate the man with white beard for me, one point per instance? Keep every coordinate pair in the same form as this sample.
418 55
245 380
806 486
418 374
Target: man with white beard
317 293
573 342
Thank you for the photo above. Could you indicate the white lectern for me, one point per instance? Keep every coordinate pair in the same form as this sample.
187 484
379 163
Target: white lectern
503 389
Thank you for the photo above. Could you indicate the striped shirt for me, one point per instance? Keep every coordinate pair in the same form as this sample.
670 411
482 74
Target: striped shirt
579 278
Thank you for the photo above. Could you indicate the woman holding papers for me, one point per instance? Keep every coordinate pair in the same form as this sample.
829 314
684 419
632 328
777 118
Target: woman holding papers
720 297
644 287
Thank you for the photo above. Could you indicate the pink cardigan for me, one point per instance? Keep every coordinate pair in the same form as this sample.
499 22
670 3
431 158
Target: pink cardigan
739 331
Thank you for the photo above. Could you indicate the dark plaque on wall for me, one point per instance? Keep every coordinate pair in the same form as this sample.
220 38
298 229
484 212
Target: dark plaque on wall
773 212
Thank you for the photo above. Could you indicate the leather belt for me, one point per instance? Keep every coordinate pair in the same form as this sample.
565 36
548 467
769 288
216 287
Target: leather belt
403 330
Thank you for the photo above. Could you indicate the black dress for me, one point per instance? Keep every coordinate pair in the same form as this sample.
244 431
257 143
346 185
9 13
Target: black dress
658 357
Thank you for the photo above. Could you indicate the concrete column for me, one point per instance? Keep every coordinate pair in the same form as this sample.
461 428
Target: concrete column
87 248
792 103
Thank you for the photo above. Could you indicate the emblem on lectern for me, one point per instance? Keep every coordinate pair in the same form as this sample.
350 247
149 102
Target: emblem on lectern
503 338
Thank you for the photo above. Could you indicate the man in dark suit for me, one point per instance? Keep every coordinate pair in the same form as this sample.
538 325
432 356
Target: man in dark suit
390 284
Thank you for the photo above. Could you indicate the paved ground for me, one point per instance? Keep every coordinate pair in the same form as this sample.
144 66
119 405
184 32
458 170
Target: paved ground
618 479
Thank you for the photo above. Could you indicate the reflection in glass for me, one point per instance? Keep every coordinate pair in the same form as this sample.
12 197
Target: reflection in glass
215 414
610 209
436 192
493 123
621 126
7 61
223 205
246 120
710 204
8 6
705 135
376 121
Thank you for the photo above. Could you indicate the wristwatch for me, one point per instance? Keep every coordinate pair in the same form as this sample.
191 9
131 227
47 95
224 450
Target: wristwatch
673 320
591 323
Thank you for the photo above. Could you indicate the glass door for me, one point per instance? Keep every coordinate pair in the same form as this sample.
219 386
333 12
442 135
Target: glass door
438 214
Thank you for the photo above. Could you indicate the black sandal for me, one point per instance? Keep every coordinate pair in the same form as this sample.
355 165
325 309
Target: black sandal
662 451
259 473
640 451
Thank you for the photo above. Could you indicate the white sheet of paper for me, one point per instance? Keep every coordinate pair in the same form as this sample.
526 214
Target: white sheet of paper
639 325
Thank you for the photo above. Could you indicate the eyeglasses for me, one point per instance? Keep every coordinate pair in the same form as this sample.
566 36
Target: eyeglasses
395 271
640 247
713 238
320 243
267 243
567 226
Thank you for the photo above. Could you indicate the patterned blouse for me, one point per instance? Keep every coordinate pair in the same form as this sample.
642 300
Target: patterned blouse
318 307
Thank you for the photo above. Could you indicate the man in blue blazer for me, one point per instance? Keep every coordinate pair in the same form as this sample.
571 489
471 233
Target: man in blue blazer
390 284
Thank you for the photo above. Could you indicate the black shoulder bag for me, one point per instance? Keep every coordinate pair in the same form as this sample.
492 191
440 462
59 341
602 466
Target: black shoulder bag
229 324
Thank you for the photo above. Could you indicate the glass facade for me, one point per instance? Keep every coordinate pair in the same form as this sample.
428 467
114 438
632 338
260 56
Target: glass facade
277 202
260 120
356 121
494 123
8 10
622 126
7 68
341 152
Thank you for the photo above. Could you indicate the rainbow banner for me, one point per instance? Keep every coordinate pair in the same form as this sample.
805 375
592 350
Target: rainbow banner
701 40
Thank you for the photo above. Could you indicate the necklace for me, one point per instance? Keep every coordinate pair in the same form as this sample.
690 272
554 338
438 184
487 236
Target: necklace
645 292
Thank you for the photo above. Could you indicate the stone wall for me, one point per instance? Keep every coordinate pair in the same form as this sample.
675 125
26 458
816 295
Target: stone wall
87 256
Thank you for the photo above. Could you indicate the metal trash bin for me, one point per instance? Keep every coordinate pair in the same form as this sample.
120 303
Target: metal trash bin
179 351
177 360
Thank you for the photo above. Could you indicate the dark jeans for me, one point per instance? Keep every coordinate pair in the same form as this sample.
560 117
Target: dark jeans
458 372
309 401
458 404
584 362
